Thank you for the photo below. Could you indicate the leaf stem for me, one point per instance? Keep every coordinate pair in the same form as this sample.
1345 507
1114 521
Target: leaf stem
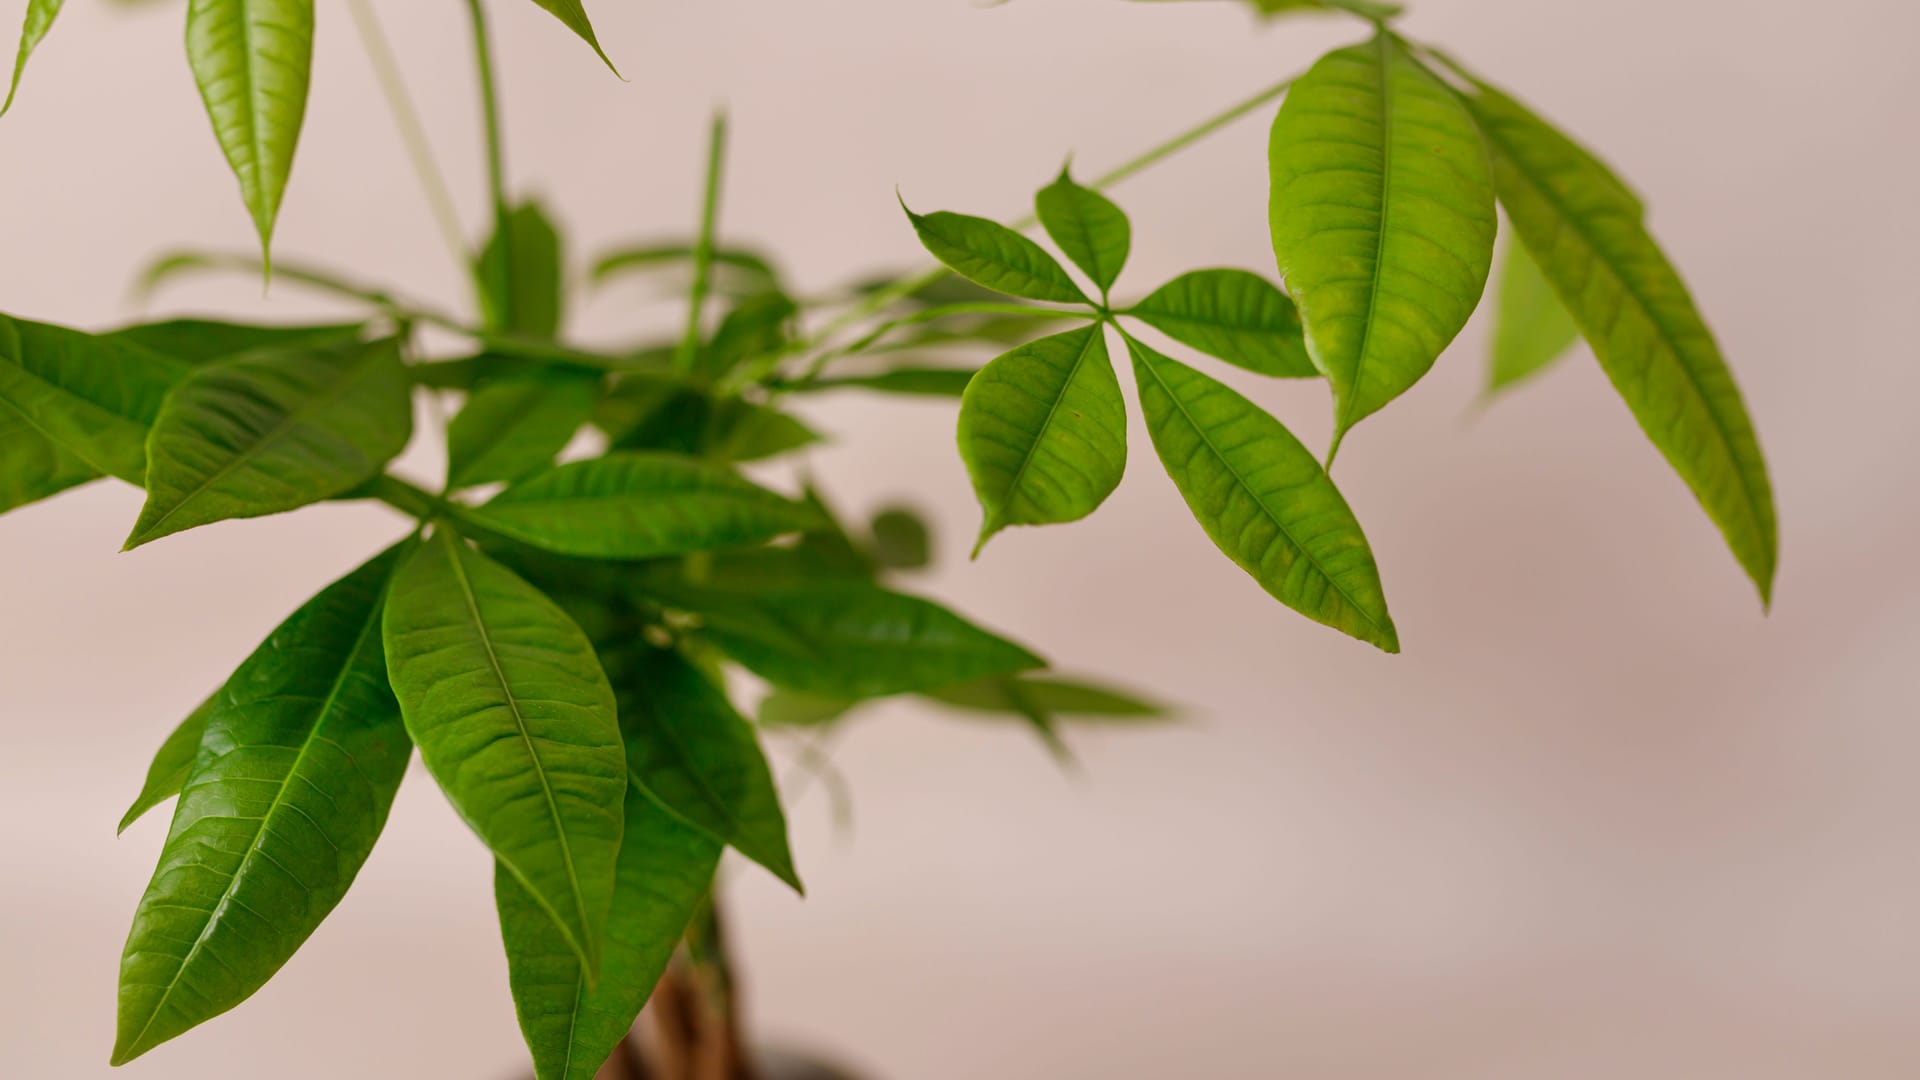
490 112
413 134
683 357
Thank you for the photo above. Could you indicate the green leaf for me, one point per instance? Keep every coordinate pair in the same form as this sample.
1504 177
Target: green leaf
846 638
1382 217
302 753
641 506
572 1025
1587 237
1088 227
901 539
1043 430
1237 316
522 274
574 16
93 398
514 717
1532 328
32 466
911 381
734 271
797 708
755 328
690 751
649 413
252 59
204 341
1263 498
990 254
515 426
1059 697
171 765
273 431
40 16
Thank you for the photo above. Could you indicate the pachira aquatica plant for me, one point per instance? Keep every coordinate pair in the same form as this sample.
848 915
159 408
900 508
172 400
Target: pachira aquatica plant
553 628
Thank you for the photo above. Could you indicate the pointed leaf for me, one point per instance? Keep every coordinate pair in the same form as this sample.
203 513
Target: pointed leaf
274 431
574 16
912 381
204 341
640 506
1532 328
92 397
1070 699
514 718
1263 498
522 274
1234 315
690 751
663 874
1632 307
514 427
252 60
1087 225
990 254
1043 430
1382 218
171 765
40 16
296 770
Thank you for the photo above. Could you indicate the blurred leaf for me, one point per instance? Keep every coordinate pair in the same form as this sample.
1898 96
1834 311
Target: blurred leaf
1532 328
171 765
755 328
992 255
273 431
204 341
522 274
92 398
1092 231
574 16
184 263
251 59
735 271
912 381
1062 697
901 540
513 427
1263 498
783 707
32 466
40 16
1234 315
658 414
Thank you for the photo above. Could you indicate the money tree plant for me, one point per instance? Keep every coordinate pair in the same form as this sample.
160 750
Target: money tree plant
559 626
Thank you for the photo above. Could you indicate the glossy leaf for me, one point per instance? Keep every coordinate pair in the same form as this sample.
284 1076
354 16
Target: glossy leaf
252 60
40 16
171 764
664 872
92 397
1086 225
32 466
513 427
990 254
522 274
846 638
273 431
204 341
574 15
1588 239
1531 328
1234 315
1065 698
641 506
296 769
1043 430
1263 498
514 717
692 753
1382 218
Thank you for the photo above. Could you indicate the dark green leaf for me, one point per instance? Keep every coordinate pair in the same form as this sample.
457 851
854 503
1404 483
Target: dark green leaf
1587 236
1532 328
663 874
171 765
40 16
514 717
990 254
1382 217
649 413
1263 498
1043 430
1088 227
901 540
1234 315
574 16
1060 697
252 60
640 506
273 431
296 769
203 341
912 381
515 426
522 274
93 398
689 750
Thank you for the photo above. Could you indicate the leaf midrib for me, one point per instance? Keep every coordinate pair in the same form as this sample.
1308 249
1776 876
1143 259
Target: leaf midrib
1093 332
1350 402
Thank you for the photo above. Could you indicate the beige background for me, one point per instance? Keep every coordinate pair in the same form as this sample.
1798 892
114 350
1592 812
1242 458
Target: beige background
1602 820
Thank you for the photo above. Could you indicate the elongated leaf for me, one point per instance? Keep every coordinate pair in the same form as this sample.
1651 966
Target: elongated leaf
797 708
522 274
1634 310
274 431
1234 315
204 341
513 427
847 637
640 506
171 765
515 719
990 254
911 381
1382 217
32 466
689 750
1263 498
574 16
1043 430
296 769
1093 232
754 329
252 60
93 398
734 271
663 874
1065 698
1532 328
40 16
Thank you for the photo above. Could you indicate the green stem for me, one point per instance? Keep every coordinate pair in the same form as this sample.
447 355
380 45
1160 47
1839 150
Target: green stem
703 245
490 111
412 133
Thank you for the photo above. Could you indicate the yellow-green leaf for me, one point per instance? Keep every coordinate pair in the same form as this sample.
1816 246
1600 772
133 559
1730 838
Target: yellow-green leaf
252 60
40 16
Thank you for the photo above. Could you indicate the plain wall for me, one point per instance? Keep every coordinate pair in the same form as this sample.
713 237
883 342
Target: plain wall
1603 819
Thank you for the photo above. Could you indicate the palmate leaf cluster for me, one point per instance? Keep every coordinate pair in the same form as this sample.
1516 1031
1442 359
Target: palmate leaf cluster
556 626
